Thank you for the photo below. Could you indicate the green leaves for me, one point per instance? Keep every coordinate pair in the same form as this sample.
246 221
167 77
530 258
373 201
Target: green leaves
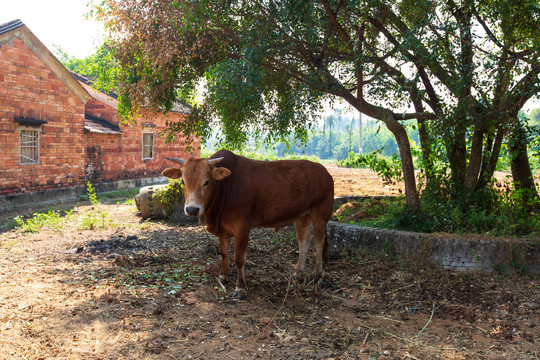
101 67
388 168
262 69
52 219
170 195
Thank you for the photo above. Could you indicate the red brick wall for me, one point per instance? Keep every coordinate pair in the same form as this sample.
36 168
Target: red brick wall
69 156
101 110
28 85
113 157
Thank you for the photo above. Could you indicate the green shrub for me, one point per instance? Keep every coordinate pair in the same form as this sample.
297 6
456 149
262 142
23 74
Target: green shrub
511 213
353 161
169 195
387 167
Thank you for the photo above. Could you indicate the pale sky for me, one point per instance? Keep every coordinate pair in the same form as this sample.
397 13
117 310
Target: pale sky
56 22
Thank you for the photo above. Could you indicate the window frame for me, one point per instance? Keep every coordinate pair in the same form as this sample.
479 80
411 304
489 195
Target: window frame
151 145
24 145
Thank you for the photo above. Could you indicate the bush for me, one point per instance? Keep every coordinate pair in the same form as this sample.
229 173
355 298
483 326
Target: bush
387 167
169 195
495 211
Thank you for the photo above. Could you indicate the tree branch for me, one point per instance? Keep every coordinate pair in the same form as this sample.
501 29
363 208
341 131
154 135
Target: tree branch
333 18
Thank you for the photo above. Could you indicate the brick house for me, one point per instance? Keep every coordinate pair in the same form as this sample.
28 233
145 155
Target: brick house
57 133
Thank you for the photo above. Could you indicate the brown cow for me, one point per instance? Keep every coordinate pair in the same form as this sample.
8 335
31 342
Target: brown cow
242 194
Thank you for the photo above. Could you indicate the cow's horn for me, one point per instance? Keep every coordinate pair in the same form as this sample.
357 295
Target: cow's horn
178 161
214 161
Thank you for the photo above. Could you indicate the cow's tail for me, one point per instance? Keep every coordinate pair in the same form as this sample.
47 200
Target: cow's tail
326 248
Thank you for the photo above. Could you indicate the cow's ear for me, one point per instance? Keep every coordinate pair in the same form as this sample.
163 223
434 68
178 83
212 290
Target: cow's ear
221 173
172 173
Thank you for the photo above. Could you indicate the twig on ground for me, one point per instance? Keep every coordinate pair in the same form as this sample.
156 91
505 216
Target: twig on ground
409 356
365 338
121 294
385 333
221 284
429 322
479 328
17 313
385 318
401 288
278 311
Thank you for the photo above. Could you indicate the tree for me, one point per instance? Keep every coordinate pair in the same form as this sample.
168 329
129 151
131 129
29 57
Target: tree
461 70
100 67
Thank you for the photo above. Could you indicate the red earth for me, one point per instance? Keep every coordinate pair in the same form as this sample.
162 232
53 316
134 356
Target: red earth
101 283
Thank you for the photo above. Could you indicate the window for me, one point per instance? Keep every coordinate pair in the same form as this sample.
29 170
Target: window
29 146
148 145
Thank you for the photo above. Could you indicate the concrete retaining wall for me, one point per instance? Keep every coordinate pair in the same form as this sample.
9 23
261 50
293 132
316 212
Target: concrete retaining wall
72 193
462 253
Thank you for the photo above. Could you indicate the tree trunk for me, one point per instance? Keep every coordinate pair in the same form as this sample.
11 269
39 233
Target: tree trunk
490 158
425 145
406 161
458 162
519 162
475 159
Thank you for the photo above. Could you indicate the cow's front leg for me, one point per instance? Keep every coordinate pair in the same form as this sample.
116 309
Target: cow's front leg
240 248
224 248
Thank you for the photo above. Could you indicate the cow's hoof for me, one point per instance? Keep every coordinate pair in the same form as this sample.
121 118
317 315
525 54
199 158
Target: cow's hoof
239 294
297 271
320 274
222 279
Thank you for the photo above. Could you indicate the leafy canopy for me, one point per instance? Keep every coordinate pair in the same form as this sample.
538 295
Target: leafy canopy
461 70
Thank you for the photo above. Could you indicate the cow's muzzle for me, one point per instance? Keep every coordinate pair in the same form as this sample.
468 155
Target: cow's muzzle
192 210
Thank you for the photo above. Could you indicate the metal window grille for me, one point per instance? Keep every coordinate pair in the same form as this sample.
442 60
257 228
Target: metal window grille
29 146
148 145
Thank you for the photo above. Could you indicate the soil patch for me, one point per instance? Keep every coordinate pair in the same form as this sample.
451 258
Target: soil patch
133 289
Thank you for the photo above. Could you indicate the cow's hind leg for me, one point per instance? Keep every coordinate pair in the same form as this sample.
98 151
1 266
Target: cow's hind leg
321 243
224 248
240 248
302 226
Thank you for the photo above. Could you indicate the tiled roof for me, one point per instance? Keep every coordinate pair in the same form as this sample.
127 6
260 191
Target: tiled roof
180 107
11 25
88 81
97 125
108 99
111 98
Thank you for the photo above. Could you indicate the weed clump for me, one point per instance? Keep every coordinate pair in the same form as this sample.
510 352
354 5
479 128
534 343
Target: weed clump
98 216
52 219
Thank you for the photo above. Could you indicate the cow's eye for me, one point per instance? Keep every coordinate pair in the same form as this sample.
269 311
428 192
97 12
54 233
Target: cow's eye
182 181
206 183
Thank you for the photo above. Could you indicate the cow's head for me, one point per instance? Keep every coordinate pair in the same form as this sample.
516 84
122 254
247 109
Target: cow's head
198 177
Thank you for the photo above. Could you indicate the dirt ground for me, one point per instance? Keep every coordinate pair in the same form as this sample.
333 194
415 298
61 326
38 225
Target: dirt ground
361 182
134 289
